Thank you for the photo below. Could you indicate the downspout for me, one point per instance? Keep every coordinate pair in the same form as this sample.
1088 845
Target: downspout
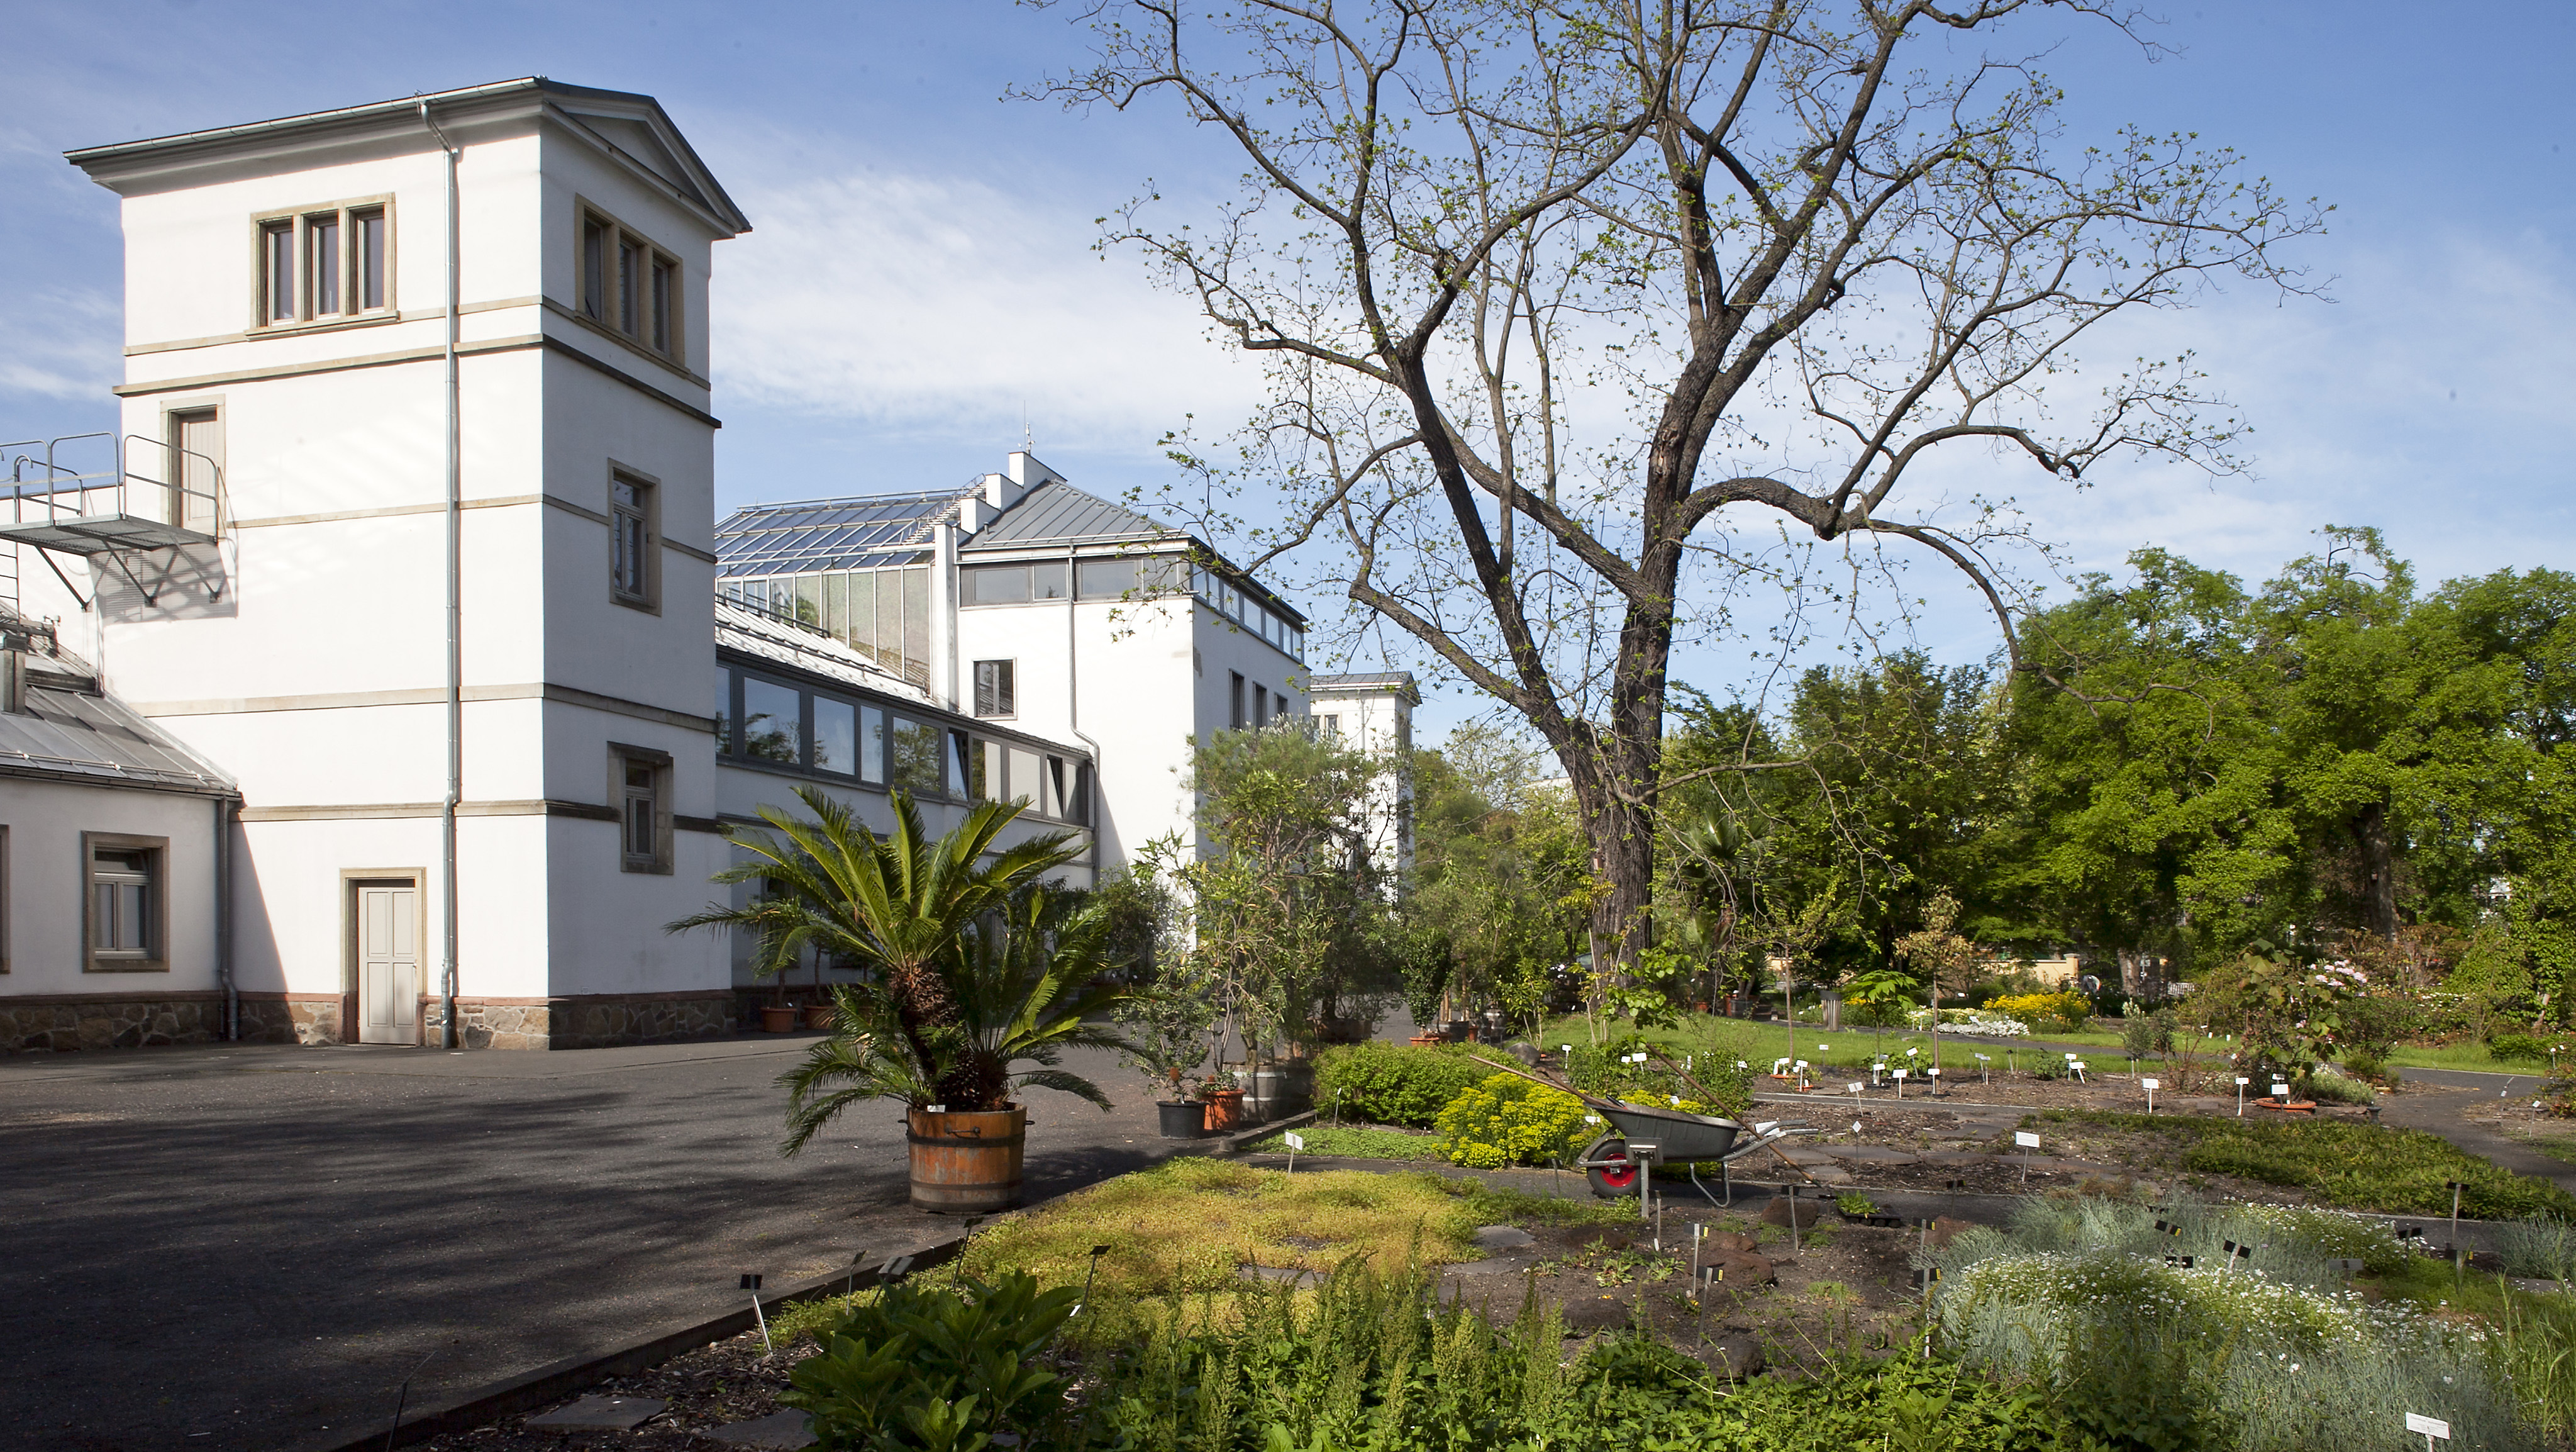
1073 704
225 810
455 614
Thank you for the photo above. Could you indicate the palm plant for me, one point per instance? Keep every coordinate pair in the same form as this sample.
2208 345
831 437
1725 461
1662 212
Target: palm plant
973 965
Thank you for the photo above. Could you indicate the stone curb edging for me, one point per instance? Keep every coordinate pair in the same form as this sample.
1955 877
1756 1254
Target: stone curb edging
554 1381
574 1373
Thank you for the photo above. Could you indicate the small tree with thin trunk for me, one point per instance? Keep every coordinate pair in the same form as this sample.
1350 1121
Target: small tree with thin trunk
1941 958
1567 308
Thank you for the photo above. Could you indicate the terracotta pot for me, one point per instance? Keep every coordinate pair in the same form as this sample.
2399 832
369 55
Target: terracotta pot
1424 1041
1225 1111
967 1162
775 1019
819 1016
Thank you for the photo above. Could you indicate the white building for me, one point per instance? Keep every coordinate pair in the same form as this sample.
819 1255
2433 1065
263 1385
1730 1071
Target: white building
394 688
1373 714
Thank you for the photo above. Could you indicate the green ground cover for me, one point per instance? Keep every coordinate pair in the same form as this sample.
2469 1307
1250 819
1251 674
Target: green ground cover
1358 1142
2357 1166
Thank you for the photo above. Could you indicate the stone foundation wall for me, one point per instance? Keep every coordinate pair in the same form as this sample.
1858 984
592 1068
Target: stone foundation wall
584 1022
57 1024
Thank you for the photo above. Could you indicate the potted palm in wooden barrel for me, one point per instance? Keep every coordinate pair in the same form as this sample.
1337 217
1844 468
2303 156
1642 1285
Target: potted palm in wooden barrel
972 971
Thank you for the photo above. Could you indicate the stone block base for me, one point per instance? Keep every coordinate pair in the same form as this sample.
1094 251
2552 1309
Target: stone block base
61 1022
586 1021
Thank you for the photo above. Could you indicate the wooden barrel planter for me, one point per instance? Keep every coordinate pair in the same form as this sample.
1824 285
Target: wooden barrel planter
967 1162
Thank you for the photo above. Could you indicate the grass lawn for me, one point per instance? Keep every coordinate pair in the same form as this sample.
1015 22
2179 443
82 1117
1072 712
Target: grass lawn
2356 1166
1187 1224
1358 1142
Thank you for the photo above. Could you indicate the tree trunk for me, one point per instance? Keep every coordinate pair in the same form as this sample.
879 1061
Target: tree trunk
2379 878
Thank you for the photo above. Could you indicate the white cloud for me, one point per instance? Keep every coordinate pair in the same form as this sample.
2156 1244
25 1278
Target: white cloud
946 304
63 344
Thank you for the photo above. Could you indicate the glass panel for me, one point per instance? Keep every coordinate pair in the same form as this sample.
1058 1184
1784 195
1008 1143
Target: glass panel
985 768
322 242
809 599
371 257
630 285
594 268
836 605
997 584
889 646
662 306
1046 582
916 627
771 724
862 631
1026 785
724 714
280 239
639 825
918 748
872 743
1107 579
958 763
836 732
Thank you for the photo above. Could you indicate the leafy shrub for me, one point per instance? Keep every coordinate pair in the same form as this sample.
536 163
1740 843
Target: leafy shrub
2510 1048
2334 1087
2146 1033
1393 1083
2364 1064
1853 1202
1507 1120
2545 1249
933 1368
2064 1012
1604 1069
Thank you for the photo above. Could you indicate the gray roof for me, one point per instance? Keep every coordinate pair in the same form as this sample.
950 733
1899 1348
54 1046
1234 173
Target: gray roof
74 735
1058 514
1396 682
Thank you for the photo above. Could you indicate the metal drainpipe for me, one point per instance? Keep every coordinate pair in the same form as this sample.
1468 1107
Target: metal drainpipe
225 808
1073 704
455 611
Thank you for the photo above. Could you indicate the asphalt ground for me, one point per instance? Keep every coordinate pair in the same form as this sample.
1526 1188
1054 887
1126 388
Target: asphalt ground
244 1247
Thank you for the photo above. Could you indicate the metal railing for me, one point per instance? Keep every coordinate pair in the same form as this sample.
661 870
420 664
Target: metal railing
50 489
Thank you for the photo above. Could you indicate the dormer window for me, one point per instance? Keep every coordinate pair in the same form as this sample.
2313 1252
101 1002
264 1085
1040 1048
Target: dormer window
324 264
628 286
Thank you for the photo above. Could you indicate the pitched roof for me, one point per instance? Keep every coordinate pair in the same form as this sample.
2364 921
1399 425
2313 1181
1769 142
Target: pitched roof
1398 683
1056 513
69 734
832 534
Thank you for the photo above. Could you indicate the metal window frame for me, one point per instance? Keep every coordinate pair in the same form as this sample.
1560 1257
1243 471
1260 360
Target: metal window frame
156 954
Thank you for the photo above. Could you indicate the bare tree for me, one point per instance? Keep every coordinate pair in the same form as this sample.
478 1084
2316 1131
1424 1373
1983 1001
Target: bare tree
1565 306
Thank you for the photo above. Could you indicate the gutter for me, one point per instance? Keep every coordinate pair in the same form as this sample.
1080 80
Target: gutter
455 604
227 812
1073 705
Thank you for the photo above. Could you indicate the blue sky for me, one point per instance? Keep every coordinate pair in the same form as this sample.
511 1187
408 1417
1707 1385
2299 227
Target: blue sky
921 279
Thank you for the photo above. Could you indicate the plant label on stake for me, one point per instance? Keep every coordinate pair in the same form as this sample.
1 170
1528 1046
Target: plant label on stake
1296 1142
751 1283
2431 1427
1899 1076
2025 1140
1097 1252
2241 1082
2151 1086
1985 1069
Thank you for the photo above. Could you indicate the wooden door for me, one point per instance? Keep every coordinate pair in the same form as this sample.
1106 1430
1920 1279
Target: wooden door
388 921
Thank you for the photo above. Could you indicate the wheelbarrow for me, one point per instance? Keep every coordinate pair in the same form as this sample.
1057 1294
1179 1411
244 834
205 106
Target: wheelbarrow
1617 1164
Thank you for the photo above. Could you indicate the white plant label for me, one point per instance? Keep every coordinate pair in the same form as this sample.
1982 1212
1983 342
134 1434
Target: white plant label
1900 1074
2242 1081
2152 1083
2429 1426
1295 1140
1854 1086
2025 1139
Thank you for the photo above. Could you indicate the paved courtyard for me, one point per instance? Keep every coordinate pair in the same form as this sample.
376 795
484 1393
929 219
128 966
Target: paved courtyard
236 1246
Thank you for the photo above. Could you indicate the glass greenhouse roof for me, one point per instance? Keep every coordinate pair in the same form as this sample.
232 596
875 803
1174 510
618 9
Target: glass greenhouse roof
832 534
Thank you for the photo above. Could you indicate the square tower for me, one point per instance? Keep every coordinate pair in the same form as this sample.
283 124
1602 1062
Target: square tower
419 389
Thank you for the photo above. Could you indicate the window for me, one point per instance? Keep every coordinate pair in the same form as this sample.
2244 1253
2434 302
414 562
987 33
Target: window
997 584
1234 709
195 468
125 922
633 559
872 745
1261 705
993 688
322 265
836 736
1046 582
1107 579
961 764
918 747
724 714
643 784
773 727
1331 727
627 285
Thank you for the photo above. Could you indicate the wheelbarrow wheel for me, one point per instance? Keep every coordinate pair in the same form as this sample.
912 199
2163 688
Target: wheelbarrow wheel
1614 1180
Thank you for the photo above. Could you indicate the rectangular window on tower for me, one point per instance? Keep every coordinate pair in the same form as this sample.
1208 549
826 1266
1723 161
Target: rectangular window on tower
994 695
322 265
1234 707
642 782
627 285
634 542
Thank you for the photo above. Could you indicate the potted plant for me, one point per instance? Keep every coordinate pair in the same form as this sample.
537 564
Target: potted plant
1166 1033
771 922
974 968
1224 1101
